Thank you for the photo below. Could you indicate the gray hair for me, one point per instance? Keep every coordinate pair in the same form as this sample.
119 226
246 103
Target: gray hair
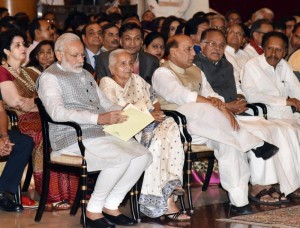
259 14
63 39
216 17
113 56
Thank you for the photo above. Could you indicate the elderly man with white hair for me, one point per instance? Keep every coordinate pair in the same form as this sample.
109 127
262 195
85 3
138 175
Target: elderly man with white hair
70 93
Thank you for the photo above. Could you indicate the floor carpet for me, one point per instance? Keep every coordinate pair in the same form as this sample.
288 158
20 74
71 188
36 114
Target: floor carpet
283 217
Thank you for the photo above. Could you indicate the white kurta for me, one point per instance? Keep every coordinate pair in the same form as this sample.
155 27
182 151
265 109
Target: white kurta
251 51
208 122
238 60
262 83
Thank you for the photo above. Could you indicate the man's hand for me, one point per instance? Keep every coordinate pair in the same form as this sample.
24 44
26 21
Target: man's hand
113 117
293 102
237 107
5 146
216 102
159 116
231 118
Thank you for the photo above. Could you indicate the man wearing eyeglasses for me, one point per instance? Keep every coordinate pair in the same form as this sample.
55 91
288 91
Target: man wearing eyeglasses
219 73
182 86
92 39
258 29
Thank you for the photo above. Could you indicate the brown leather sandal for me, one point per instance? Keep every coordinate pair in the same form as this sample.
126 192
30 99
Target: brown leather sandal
262 193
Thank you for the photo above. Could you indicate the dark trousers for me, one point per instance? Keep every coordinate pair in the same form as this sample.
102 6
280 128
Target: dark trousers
18 158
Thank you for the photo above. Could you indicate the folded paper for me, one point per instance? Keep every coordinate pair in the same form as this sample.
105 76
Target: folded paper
137 120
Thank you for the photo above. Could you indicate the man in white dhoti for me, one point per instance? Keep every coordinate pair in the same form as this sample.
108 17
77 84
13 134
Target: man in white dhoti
180 86
69 93
280 168
269 79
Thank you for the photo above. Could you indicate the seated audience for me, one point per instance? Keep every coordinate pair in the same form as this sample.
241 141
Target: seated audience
169 26
18 89
294 43
68 99
219 73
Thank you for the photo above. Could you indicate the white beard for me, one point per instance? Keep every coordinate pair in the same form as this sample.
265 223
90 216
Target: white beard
69 67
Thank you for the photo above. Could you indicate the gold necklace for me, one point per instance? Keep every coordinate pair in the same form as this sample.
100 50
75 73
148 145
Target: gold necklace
27 81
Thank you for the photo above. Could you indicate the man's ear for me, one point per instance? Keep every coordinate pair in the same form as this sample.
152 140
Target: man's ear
172 51
6 52
37 34
58 55
255 34
201 45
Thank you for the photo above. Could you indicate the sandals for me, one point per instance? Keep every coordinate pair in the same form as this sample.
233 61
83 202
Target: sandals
59 206
178 191
176 216
281 197
262 193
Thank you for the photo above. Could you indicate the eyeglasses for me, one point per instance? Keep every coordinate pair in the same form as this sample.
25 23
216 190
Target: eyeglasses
213 44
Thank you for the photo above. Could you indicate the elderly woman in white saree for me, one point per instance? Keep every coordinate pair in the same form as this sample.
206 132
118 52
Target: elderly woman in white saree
162 137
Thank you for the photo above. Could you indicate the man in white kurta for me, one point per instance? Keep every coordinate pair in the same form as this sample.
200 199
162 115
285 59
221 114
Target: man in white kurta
176 83
269 79
69 93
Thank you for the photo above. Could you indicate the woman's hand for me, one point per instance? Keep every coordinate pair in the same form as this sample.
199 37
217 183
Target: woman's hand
113 117
158 115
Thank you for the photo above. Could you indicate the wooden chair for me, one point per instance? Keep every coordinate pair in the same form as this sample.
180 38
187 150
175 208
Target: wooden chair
75 164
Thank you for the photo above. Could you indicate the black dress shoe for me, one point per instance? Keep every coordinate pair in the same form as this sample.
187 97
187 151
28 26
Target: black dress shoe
120 219
245 210
265 151
6 204
97 223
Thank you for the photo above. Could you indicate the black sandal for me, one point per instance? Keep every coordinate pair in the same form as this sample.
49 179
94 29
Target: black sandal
175 216
281 195
261 194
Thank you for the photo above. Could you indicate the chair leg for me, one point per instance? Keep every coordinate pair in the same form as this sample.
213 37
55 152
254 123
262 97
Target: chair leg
28 176
17 195
208 173
44 195
132 204
83 182
76 203
188 184
137 195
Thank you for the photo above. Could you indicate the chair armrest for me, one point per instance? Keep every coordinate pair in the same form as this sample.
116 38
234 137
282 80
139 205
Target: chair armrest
254 109
186 134
264 109
176 119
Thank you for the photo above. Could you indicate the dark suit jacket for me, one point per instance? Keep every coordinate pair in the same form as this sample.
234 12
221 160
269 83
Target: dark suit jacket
148 64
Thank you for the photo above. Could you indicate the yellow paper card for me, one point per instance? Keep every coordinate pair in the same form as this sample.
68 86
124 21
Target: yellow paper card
137 120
